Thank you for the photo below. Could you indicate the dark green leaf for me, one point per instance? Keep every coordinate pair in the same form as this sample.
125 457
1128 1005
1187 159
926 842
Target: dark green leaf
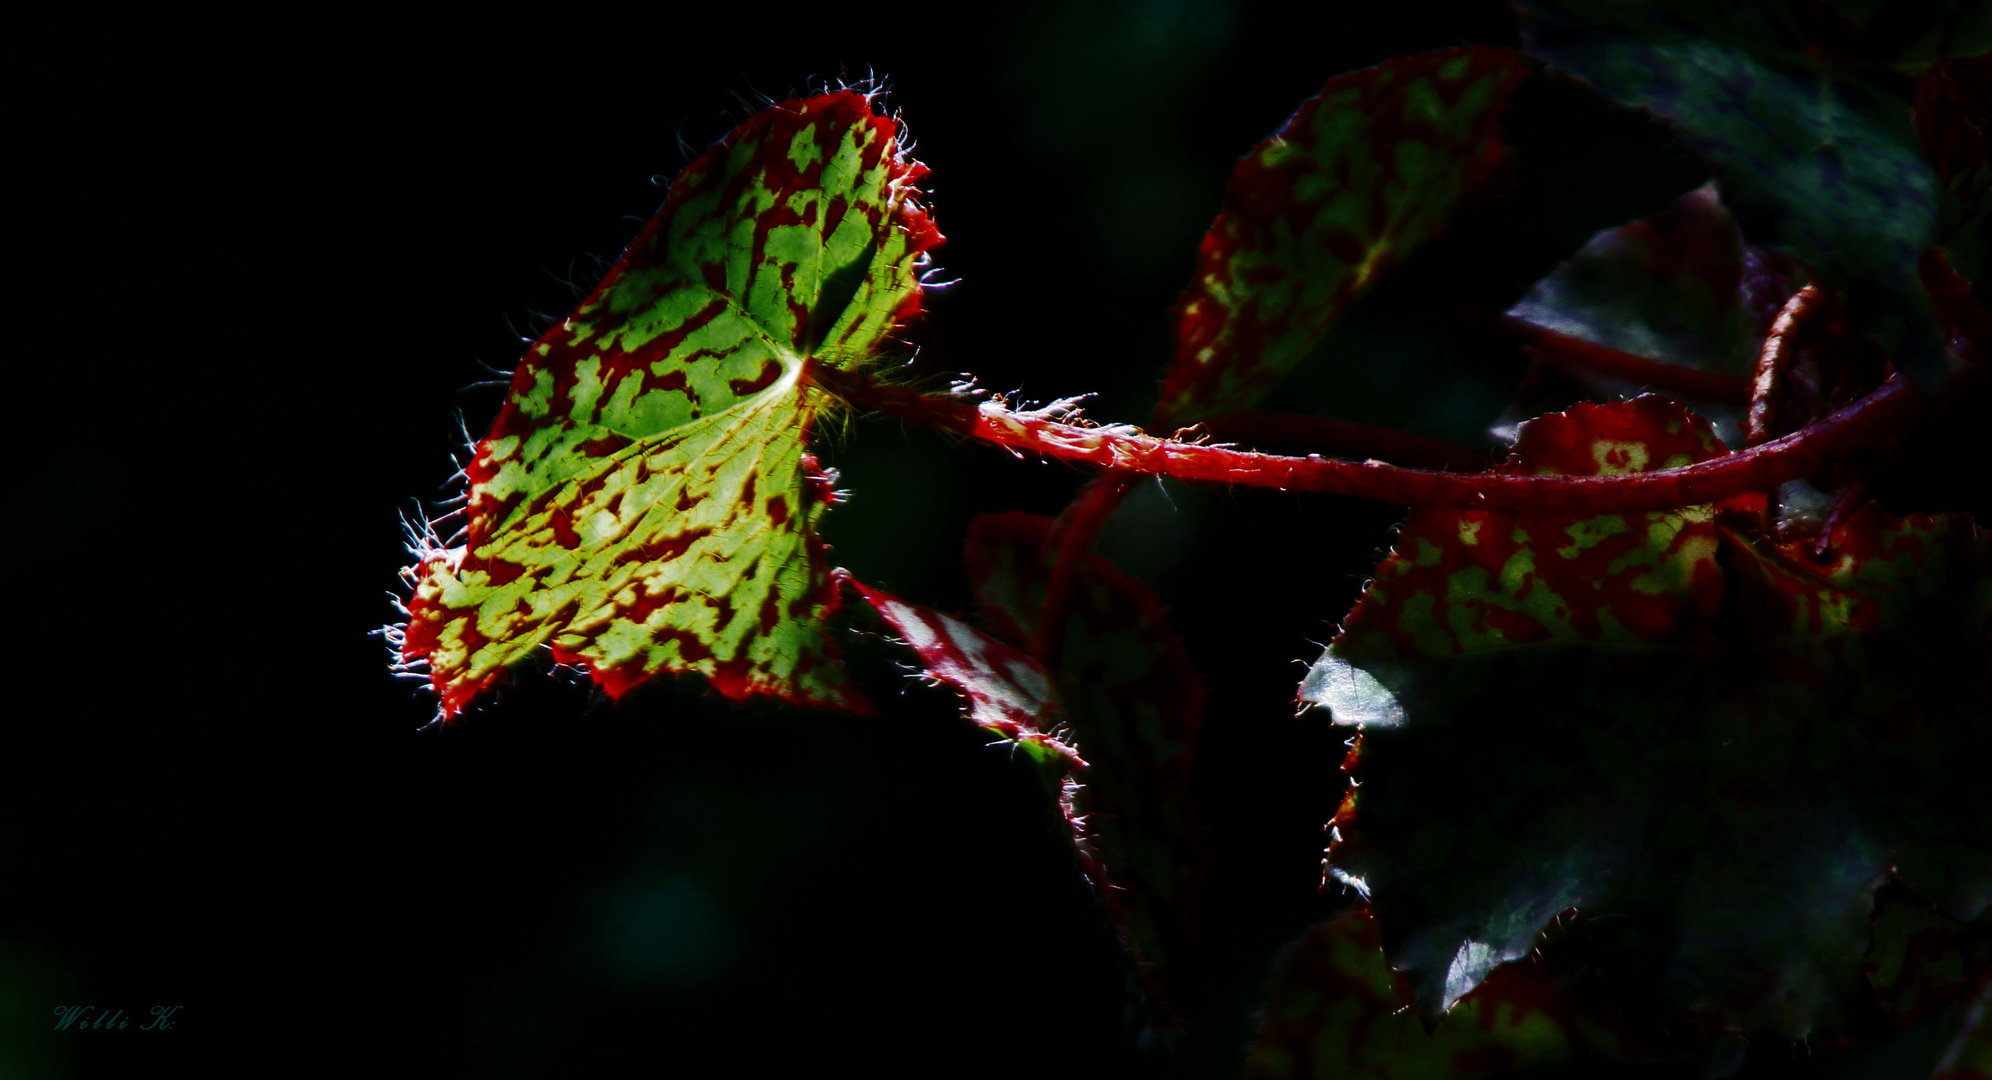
1744 769
1813 159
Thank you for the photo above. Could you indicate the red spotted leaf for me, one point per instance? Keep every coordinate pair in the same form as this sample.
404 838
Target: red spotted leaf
644 502
1464 581
1133 704
1361 173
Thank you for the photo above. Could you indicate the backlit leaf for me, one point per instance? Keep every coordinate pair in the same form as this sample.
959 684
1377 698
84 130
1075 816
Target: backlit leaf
1361 173
1007 690
644 502
1812 158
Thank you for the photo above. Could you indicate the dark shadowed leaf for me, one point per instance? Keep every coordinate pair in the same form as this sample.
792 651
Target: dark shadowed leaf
1953 114
644 502
1609 716
1812 157
1361 173
1924 963
1671 287
1337 1011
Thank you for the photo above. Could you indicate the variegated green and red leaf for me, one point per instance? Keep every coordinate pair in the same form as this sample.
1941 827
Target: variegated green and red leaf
1360 174
644 502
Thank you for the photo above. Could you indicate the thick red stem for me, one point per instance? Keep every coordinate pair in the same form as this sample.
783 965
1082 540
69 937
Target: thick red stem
1345 438
1578 353
1758 468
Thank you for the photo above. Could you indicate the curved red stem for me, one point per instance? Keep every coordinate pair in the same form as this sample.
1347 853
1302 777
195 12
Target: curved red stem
1757 468
1345 438
1576 352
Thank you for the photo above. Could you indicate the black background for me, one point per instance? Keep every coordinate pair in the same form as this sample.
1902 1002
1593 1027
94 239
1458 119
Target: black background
258 262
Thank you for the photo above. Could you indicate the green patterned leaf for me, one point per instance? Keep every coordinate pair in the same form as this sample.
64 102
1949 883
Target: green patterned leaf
1133 705
644 502
1813 159
1736 747
1361 173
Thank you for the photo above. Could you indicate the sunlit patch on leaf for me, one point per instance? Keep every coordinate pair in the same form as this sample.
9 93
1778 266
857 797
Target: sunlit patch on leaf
644 502
1361 173
1336 1010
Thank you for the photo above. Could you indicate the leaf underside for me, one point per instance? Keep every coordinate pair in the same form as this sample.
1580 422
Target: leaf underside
644 502
1361 173
1656 715
1679 287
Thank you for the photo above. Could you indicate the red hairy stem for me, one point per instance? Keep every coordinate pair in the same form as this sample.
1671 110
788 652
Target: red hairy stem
1345 438
1577 353
1071 539
1757 468
1775 359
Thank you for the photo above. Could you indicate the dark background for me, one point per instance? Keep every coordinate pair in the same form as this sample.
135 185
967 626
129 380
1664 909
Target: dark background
258 262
